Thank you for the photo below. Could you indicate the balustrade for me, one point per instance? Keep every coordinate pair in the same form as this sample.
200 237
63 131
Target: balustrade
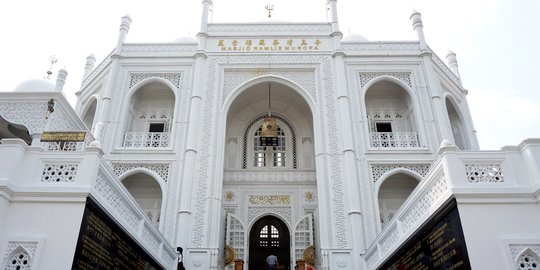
394 139
146 139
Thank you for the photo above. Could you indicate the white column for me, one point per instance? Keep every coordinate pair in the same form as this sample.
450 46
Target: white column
350 175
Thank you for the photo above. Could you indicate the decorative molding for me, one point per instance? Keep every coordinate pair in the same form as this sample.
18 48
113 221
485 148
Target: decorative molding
517 249
160 48
338 222
229 196
174 78
271 176
283 212
161 169
404 77
270 29
380 46
302 77
200 226
32 116
377 170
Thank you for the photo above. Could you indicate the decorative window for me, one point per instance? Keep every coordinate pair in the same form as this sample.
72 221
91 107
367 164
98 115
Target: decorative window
269 236
528 262
280 156
156 127
19 260
278 152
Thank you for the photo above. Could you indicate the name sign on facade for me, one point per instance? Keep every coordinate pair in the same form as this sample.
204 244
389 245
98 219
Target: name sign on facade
63 136
438 245
269 44
102 244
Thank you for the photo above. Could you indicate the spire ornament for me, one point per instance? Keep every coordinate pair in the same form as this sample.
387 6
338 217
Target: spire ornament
269 8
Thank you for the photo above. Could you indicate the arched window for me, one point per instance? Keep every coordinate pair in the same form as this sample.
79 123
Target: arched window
283 155
262 155
269 236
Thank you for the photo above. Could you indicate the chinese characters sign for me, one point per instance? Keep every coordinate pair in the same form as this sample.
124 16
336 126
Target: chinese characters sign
269 44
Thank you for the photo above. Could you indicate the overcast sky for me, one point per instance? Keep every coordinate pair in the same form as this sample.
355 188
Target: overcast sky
497 42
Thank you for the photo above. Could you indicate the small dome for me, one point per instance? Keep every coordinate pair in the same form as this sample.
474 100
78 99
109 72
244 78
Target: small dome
185 39
35 85
355 38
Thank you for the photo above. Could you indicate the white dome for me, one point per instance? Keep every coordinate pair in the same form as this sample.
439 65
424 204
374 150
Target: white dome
185 39
35 85
355 38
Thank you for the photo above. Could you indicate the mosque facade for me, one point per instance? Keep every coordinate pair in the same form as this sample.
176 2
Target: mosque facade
254 139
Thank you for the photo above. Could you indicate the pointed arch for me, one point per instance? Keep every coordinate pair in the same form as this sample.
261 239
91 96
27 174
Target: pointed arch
393 113
149 114
455 116
146 191
392 190
89 111
269 79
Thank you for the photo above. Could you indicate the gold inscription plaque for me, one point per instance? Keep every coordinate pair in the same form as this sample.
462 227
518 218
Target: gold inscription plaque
63 136
269 199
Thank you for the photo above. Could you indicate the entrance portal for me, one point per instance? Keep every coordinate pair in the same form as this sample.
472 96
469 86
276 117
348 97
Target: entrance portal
269 235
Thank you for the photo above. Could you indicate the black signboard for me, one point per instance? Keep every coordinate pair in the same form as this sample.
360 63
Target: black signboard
103 244
269 141
439 244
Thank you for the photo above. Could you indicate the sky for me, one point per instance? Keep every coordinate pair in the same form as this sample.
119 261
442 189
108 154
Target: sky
496 42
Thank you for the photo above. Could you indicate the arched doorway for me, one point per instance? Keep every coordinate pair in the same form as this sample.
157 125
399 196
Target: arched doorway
269 235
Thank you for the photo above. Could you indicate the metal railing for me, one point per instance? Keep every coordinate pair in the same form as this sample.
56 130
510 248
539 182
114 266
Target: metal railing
394 139
147 139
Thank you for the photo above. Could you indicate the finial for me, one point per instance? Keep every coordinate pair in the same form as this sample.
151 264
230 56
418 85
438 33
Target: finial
452 63
52 60
269 8
60 80
90 62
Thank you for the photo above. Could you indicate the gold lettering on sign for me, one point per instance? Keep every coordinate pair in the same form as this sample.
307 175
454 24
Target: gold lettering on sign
247 45
269 199
71 136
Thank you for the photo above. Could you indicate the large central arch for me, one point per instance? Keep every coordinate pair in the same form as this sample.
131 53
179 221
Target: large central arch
275 183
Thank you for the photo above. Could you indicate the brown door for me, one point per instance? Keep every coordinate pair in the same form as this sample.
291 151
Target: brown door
269 235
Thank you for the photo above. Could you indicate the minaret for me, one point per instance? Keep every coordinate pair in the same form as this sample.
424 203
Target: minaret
60 80
332 8
203 33
440 118
124 29
416 20
452 63
90 62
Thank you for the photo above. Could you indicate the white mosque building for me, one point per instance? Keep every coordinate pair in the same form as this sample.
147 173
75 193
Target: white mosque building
279 138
